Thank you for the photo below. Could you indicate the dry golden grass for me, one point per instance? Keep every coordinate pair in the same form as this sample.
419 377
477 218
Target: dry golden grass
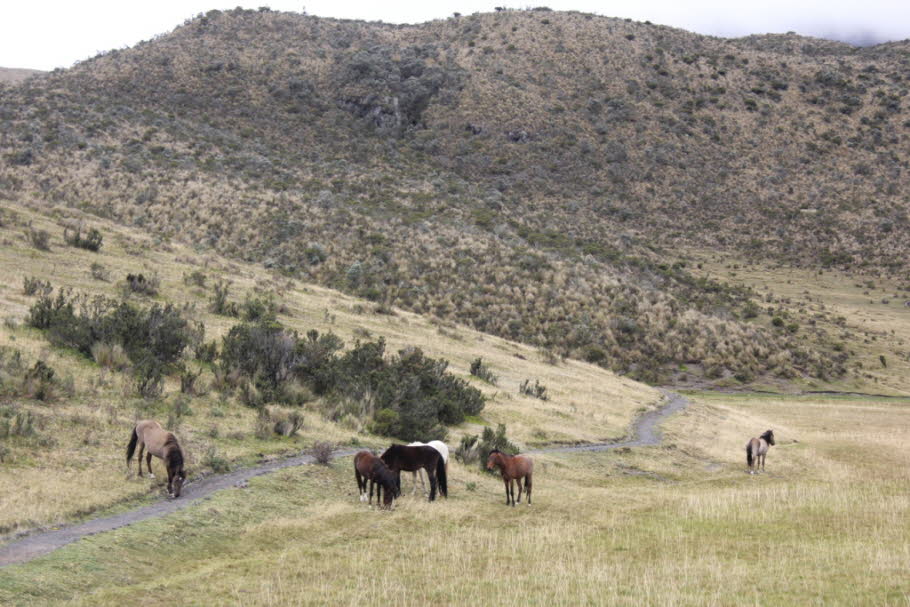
82 467
677 525
869 328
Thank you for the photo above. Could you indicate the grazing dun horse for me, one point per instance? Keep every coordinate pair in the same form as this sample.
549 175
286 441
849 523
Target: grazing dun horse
443 451
513 468
368 467
163 445
410 459
757 449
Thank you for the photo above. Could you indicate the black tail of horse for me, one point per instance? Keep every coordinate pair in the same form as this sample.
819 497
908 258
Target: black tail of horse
131 448
441 477
749 454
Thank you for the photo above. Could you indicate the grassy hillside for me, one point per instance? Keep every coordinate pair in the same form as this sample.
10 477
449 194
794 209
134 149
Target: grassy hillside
13 75
681 524
73 450
527 173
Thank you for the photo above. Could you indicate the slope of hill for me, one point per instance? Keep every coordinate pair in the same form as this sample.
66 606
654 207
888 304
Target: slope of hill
14 75
68 437
529 173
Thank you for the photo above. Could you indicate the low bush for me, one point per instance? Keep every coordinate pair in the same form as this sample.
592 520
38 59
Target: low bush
477 449
535 390
142 284
481 370
219 303
39 239
40 382
408 395
35 286
99 272
90 241
322 452
153 338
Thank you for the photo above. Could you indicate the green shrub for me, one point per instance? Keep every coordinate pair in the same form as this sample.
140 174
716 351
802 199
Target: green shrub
40 382
91 241
142 284
478 448
99 272
153 338
219 303
32 285
39 239
482 371
537 390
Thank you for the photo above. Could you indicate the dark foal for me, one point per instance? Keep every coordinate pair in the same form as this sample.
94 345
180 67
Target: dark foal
368 467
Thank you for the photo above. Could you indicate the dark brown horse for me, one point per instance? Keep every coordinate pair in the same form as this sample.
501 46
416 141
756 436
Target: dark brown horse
411 459
513 468
757 449
162 444
368 467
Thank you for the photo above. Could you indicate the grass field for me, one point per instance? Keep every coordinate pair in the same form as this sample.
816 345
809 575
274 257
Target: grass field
74 462
867 313
680 524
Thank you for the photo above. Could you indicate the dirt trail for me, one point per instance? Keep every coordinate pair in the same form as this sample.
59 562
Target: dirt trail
645 433
645 429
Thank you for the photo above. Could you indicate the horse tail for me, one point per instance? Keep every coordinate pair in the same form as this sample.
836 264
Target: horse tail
131 448
441 477
749 455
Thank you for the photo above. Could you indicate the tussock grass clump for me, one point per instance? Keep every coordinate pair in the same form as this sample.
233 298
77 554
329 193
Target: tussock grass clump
142 284
481 370
35 286
90 240
37 238
535 390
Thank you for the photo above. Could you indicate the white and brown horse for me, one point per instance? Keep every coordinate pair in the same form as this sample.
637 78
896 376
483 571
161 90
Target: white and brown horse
162 444
757 449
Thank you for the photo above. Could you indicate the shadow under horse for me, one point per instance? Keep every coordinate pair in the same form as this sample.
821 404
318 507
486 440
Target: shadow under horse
412 459
368 467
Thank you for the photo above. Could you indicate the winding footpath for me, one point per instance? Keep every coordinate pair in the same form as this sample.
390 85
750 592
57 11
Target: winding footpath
645 433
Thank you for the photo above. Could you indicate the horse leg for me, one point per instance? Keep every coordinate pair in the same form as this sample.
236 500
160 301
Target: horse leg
431 476
141 451
370 501
508 498
528 488
518 482
423 486
764 455
148 464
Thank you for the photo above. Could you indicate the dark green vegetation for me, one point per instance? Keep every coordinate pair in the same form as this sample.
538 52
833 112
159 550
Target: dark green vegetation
408 395
531 174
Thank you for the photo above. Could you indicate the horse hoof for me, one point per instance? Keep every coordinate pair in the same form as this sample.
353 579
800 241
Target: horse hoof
151 476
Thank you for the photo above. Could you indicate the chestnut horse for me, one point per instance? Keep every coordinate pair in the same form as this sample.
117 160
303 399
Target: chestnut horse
162 444
368 467
512 468
757 449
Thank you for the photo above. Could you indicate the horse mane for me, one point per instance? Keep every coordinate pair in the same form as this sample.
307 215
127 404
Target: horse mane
174 452
766 434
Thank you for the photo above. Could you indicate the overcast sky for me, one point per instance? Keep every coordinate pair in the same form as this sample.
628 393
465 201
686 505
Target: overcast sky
43 34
